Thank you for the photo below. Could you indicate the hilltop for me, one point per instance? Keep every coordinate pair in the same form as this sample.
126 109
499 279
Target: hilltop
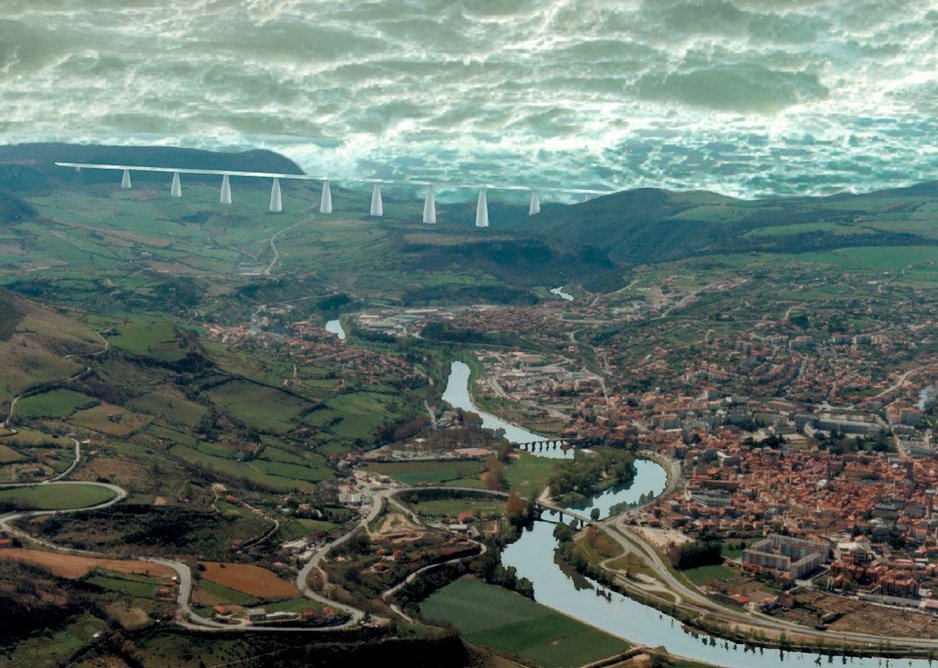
650 225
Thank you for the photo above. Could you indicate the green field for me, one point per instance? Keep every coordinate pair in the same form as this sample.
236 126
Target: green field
8 454
156 339
27 438
704 574
227 594
134 585
57 403
876 258
56 497
275 475
529 474
361 413
510 623
461 473
262 407
173 408
804 228
453 507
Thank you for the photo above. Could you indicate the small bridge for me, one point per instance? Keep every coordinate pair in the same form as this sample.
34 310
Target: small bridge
541 505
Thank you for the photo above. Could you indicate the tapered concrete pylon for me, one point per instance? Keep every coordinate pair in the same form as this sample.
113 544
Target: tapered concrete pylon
482 210
325 203
276 203
225 197
377 206
429 206
535 204
125 181
175 190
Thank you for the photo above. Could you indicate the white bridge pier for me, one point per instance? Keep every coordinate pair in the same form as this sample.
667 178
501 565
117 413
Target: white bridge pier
325 203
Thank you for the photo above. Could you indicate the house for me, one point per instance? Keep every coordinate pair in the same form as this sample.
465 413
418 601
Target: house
221 613
256 614
281 616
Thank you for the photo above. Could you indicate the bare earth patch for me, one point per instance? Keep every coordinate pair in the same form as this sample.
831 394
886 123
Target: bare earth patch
73 567
662 538
253 580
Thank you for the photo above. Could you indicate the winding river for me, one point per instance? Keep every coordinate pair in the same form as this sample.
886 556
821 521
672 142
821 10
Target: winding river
533 557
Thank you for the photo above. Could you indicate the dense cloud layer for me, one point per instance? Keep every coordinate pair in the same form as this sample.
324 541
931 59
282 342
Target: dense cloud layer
749 96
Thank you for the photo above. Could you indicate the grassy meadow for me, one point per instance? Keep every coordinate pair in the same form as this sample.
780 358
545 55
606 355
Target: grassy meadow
512 624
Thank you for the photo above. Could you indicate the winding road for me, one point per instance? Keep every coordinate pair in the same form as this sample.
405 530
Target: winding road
185 616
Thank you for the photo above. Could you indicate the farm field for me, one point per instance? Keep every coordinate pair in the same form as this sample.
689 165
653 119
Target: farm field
362 412
251 580
275 475
919 262
510 623
8 455
453 507
262 407
57 403
74 567
529 474
704 574
142 586
457 472
155 339
109 419
55 497
171 406
28 438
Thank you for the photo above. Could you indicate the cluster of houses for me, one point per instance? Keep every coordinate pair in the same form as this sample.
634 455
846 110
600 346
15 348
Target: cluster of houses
260 616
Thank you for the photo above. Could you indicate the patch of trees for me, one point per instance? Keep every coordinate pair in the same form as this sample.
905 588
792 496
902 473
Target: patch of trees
840 444
403 429
573 558
493 477
469 294
490 569
575 480
10 316
439 331
33 600
520 513
696 553
419 495
333 303
358 545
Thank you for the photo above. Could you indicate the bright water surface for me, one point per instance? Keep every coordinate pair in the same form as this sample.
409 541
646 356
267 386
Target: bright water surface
532 555
457 396
335 327
566 296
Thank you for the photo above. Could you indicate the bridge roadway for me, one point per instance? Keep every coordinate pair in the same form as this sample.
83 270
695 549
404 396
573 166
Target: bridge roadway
543 501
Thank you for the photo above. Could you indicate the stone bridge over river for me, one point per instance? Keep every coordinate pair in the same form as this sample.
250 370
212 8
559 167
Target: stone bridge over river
542 504
551 444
